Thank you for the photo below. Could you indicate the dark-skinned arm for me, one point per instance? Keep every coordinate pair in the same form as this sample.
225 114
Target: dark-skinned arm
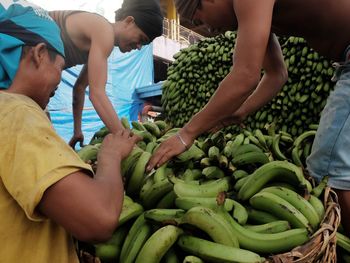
78 105
254 26
275 76
102 43
86 207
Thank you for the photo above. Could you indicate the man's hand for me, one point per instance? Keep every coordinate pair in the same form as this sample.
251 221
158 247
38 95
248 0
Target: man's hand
169 148
77 137
117 145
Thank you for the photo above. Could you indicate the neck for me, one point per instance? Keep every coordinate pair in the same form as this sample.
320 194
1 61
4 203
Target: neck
117 32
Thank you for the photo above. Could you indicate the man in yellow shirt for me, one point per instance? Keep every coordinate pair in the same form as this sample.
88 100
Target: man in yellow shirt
47 194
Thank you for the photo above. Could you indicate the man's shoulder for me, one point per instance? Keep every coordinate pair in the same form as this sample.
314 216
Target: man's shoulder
16 102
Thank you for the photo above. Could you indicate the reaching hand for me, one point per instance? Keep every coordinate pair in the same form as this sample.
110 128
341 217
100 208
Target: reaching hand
169 148
117 145
77 137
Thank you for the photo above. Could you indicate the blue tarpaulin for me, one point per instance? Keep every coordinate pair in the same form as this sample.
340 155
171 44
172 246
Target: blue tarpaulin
126 72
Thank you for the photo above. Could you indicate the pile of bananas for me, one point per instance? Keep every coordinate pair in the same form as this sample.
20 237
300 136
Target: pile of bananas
230 198
198 70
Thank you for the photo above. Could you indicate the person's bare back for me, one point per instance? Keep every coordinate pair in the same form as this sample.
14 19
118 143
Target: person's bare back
324 24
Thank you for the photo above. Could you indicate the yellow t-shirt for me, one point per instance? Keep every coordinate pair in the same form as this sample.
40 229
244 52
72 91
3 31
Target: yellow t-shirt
32 158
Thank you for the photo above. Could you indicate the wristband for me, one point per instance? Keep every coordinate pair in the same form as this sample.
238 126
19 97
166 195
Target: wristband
182 141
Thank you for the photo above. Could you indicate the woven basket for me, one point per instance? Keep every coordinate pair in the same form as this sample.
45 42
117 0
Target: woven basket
321 248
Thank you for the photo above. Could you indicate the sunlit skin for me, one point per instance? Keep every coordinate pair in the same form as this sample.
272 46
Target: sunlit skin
98 37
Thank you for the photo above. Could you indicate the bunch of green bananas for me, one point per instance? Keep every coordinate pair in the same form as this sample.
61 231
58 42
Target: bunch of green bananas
197 71
232 197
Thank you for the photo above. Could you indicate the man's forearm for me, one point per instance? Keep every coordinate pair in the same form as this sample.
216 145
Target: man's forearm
105 110
230 95
267 89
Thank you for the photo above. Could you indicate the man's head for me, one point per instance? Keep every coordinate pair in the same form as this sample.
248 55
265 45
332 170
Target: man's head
38 74
141 22
217 15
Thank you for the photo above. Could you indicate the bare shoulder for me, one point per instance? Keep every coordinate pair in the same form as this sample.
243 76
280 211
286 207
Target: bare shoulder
88 24
84 28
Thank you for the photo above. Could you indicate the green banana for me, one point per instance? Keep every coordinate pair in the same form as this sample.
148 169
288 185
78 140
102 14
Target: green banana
267 243
343 241
215 252
193 153
162 125
151 146
150 197
129 211
143 233
191 174
107 252
158 244
273 170
250 158
317 205
208 189
146 136
187 203
296 157
240 182
281 208
205 162
152 128
260 217
165 216
260 136
318 190
298 202
125 123
89 152
245 148
134 184
272 227
303 136
138 126
171 257
133 232
213 172
239 212
278 154
167 201
192 259
128 163
211 223
238 174
237 141
110 250
161 173
214 154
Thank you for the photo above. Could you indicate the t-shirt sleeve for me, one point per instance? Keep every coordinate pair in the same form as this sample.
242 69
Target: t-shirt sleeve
35 158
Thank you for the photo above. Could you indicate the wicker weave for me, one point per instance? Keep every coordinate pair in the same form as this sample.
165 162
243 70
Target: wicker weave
321 248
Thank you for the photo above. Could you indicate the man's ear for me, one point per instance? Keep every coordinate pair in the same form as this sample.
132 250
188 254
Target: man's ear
39 51
129 19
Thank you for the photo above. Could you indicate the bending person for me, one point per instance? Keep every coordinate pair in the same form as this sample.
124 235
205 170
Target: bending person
89 39
325 26
47 193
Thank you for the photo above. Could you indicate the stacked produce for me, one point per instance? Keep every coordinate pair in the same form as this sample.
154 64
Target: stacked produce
198 70
229 198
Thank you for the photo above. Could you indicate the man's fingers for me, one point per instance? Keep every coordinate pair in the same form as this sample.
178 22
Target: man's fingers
156 157
164 159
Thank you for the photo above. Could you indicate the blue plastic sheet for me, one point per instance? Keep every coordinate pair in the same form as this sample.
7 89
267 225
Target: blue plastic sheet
126 72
